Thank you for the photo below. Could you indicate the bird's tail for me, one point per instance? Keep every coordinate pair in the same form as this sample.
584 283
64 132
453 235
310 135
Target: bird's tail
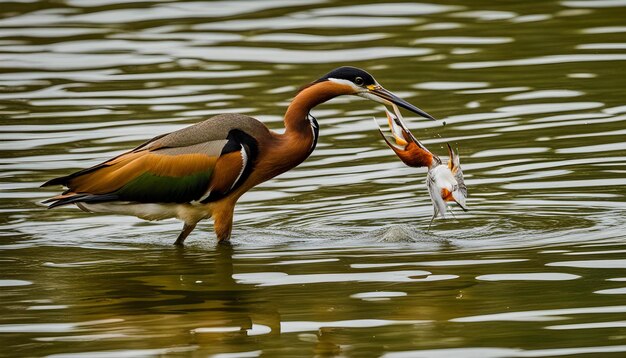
73 198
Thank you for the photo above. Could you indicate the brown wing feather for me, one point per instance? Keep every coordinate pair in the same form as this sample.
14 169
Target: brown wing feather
227 170
177 167
131 165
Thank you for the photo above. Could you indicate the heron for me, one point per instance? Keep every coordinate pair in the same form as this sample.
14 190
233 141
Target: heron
445 182
200 171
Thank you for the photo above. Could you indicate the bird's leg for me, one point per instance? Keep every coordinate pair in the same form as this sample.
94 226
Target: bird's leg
431 223
453 216
223 221
187 229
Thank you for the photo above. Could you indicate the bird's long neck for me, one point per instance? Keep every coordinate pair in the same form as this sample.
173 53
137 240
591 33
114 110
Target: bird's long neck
300 136
296 121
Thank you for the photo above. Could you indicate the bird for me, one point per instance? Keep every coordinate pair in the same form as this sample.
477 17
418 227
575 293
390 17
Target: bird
445 182
200 171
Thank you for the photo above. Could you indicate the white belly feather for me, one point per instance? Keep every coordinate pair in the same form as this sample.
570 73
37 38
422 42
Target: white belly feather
185 212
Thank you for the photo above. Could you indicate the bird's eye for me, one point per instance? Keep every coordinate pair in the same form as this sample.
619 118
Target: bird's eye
359 81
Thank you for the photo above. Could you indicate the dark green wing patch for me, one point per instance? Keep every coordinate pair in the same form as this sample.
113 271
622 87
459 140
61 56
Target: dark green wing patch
151 188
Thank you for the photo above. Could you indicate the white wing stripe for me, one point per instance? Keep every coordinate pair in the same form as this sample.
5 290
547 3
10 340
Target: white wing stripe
244 164
205 196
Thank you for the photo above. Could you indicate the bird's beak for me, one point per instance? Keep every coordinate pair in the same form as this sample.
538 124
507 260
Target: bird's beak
379 94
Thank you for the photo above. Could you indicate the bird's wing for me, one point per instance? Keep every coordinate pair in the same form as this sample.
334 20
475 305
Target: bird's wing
160 171
439 205
454 164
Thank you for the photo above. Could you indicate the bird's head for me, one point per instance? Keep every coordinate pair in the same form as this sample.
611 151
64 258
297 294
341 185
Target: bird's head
446 184
355 81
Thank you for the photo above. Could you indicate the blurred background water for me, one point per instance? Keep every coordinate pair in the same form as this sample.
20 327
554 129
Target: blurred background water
332 258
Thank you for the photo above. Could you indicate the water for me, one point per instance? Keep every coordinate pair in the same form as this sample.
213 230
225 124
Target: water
333 257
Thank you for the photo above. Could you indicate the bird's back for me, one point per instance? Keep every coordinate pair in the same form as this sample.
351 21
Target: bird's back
216 155
214 128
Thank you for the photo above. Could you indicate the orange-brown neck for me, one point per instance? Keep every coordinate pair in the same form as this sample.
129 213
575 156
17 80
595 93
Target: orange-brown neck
285 151
300 136
296 116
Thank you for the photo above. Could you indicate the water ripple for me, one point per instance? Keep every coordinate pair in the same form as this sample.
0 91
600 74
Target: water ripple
319 252
281 278
289 23
542 60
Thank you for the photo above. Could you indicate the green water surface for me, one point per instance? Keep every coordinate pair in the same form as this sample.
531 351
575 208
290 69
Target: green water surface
332 258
